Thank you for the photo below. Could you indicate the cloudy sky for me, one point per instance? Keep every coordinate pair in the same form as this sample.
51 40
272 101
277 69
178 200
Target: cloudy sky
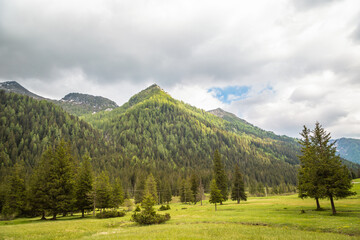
278 64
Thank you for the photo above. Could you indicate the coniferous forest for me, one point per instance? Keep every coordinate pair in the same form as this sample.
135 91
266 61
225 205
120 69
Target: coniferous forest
108 156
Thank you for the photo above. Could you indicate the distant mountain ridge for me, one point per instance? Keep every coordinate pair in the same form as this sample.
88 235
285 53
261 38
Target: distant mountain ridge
349 148
15 87
77 104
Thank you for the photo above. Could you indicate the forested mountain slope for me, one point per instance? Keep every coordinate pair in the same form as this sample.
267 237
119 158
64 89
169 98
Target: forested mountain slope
156 131
29 126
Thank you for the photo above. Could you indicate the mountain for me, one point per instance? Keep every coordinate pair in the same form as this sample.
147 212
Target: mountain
12 86
156 131
79 104
74 103
349 149
29 126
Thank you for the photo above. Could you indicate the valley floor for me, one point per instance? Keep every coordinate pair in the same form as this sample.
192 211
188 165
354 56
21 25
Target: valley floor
277 217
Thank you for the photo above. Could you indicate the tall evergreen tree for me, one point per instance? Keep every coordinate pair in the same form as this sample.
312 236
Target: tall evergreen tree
103 191
194 180
238 189
15 198
39 188
322 167
60 179
220 176
215 194
84 186
201 192
150 187
139 190
185 191
117 197
167 193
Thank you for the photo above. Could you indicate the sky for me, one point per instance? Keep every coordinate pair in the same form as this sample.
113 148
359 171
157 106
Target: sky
278 64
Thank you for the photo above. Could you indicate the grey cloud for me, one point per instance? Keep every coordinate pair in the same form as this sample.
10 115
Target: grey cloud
309 4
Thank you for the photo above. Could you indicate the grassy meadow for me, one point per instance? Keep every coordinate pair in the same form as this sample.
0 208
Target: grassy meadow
275 217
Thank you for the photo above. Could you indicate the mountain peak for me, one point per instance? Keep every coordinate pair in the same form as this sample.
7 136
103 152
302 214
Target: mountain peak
15 87
90 102
147 93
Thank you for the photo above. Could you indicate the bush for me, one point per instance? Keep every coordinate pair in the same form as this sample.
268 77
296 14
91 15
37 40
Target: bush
110 214
164 208
145 218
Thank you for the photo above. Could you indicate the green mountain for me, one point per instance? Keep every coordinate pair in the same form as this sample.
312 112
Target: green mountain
29 126
79 104
156 131
349 148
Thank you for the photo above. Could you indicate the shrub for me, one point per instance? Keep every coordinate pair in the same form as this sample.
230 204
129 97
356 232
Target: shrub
164 208
145 218
148 215
110 214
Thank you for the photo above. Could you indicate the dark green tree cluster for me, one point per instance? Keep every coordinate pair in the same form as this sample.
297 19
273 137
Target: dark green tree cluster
321 174
59 185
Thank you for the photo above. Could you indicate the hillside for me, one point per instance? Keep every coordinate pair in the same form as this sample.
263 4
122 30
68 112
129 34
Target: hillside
29 126
349 149
156 131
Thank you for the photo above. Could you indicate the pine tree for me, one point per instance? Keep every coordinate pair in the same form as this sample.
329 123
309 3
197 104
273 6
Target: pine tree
117 194
194 180
220 176
60 179
167 193
84 186
139 190
238 190
103 191
15 198
150 187
321 173
215 194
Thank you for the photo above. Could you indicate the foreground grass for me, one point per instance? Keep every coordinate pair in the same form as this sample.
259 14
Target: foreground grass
277 217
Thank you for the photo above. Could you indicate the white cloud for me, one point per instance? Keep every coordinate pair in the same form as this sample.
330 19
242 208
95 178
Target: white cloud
307 51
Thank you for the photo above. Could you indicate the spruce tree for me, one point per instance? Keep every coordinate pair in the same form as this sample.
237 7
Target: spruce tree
103 191
60 179
220 176
139 190
215 194
194 180
167 193
15 198
321 173
117 194
150 187
238 190
84 186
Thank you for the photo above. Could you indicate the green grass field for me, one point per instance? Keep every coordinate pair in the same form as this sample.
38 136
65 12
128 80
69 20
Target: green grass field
277 217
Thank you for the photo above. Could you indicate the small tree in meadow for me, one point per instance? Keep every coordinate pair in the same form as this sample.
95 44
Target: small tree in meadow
215 194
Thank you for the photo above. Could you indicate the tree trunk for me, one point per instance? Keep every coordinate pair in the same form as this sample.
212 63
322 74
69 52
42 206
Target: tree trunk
82 212
238 200
43 216
317 204
332 205
54 216
215 207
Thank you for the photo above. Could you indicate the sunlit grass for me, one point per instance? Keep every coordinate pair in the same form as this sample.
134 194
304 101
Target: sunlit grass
274 217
